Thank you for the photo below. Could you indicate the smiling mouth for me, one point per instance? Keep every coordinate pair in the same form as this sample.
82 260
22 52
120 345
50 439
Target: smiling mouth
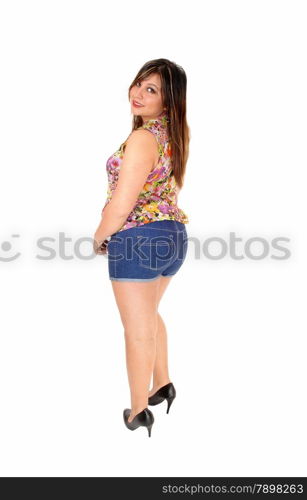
135 103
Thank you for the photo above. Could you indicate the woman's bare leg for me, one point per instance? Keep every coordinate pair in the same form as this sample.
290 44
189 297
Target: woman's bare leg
137 304
160 372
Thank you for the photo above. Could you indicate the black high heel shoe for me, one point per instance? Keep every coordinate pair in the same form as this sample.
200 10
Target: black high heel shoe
144 418
167 392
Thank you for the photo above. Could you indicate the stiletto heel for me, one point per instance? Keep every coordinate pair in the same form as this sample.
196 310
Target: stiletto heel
167 392
169 402
145 418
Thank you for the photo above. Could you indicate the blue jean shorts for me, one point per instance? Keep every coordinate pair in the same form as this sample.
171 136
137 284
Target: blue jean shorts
143 253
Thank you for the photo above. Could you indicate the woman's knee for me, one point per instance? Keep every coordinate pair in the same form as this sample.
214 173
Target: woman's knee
142 333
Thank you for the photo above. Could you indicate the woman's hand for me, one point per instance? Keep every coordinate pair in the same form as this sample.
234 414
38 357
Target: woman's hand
100 246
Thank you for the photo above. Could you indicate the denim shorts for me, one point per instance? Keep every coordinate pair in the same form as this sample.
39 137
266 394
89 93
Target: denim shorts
143 253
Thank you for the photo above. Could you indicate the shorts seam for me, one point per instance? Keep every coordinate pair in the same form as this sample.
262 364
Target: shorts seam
135 279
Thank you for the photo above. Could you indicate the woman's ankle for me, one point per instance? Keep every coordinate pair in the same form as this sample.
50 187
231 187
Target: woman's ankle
137 409
157 384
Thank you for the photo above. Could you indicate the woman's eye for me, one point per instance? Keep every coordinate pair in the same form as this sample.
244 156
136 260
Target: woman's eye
147 87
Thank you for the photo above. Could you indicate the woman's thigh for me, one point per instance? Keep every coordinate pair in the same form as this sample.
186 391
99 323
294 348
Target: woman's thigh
137 303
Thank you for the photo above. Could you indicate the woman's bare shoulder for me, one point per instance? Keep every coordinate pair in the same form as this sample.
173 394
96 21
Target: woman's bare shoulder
141 135
141 139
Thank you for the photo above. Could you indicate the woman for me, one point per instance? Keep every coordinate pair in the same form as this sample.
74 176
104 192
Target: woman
142 229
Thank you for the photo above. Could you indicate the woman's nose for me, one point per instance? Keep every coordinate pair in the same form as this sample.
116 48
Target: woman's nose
138 91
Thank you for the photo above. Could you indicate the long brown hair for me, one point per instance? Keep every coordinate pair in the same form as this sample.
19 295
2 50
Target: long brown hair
173 89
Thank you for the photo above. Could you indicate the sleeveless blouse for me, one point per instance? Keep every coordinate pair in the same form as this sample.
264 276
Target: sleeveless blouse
159 197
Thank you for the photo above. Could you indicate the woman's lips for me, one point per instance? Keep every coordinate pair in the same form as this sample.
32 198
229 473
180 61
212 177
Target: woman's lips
136 105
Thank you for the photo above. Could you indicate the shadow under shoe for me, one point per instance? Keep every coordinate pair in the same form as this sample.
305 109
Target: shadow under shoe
145 418
167 392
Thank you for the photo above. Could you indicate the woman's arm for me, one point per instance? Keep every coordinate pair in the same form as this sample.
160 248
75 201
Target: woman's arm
139 159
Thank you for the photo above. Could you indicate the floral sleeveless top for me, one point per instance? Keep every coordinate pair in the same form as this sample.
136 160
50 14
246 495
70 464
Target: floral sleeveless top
159 196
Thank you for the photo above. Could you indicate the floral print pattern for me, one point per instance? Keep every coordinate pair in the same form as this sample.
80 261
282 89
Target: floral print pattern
159 196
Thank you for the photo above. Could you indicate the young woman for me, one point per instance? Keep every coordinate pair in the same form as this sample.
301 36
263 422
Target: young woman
142 229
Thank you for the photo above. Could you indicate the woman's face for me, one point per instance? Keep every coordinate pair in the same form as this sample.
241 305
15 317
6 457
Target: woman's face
148 94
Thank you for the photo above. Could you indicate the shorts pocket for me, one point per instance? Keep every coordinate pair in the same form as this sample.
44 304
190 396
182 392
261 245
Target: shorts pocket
155 254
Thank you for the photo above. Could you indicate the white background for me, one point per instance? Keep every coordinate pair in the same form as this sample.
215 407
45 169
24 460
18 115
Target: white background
236 328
